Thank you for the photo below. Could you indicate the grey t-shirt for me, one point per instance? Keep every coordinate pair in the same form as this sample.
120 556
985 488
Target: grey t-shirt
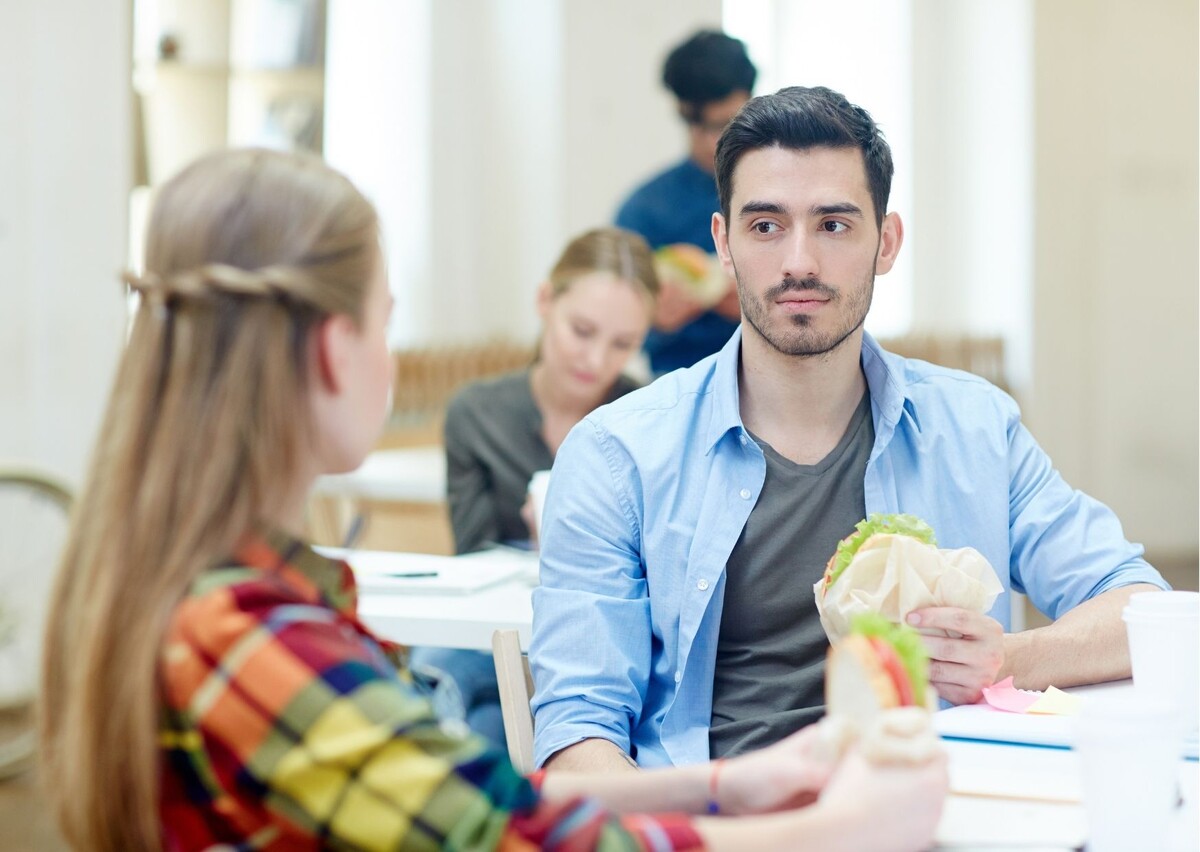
770 670
494 445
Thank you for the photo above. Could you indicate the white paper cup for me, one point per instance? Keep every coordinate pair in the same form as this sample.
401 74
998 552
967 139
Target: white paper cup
1175 604
1164 651
1128 757
539 483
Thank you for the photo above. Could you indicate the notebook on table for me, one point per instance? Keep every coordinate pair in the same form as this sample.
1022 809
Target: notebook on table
980 722
387 572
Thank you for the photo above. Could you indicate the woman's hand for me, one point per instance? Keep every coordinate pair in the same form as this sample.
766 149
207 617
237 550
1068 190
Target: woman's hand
789 774
903 735
888 807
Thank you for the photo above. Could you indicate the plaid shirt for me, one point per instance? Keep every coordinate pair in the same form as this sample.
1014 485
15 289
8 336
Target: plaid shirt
286 726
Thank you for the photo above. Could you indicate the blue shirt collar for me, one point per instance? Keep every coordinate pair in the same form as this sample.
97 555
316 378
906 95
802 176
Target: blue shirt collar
890 397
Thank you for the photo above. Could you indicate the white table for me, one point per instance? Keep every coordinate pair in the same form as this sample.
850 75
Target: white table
410 475
456 620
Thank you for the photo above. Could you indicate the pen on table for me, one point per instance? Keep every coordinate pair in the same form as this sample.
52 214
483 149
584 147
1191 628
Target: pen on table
411 574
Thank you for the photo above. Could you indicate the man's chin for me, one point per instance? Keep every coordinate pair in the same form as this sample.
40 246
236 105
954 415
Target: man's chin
808 345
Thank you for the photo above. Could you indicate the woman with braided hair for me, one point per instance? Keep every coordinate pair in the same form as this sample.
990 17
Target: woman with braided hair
207 682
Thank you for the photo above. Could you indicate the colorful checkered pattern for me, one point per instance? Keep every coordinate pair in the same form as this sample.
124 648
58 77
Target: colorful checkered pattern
286 726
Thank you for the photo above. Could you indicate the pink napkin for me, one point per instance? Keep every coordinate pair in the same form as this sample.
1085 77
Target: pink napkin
1053 702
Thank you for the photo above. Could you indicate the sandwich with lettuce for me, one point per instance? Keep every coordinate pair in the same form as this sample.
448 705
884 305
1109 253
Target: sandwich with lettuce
878 665
693 270
891 565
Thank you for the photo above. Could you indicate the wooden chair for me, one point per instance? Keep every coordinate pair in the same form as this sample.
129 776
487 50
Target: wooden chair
516 689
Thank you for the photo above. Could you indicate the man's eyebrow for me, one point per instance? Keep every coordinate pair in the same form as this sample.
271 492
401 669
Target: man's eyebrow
751 208
845 208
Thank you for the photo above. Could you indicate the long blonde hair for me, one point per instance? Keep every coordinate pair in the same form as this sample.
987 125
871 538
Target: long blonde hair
246 252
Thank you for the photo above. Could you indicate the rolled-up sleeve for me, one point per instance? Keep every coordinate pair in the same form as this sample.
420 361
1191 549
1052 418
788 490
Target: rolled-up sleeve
591 614
1066 547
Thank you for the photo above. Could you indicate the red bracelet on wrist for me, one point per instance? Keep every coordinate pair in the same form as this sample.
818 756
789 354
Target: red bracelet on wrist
713 806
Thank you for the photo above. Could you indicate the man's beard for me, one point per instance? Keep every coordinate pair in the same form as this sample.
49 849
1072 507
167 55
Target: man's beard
795 335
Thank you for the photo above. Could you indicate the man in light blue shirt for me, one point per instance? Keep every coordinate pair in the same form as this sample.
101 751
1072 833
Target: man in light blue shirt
662 570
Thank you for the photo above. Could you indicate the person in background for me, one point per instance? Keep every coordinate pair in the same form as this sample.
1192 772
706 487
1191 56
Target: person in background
207 681
595 308
675 620
711 76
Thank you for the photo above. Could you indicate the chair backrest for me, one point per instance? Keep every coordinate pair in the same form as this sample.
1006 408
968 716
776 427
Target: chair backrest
516 688
983 356
34 509
427 378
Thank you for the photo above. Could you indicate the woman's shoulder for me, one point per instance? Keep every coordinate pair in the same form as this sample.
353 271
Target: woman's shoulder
486 397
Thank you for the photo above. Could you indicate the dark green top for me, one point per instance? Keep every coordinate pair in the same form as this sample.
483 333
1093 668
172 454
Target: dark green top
494 445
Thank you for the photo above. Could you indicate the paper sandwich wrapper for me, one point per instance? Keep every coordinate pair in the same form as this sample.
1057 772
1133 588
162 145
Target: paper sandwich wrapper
895 574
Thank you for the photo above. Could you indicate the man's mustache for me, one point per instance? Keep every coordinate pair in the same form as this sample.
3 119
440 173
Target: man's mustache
794 285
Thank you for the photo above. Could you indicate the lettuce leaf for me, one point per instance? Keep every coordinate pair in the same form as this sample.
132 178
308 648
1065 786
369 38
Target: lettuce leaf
907 643
909 525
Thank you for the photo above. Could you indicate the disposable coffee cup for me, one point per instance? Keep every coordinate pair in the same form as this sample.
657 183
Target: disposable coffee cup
1164 653
539 484
1173 604
1128 759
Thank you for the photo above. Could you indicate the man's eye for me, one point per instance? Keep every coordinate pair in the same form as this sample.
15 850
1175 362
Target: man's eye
833 227
765 227
582 331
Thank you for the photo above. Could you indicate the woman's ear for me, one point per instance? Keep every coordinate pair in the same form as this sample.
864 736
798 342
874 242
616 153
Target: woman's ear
332 341
544 299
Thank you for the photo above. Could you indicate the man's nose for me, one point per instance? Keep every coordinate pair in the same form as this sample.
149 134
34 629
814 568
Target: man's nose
800 260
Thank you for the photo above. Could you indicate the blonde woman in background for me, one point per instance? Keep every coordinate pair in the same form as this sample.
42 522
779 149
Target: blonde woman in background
207 681
596 307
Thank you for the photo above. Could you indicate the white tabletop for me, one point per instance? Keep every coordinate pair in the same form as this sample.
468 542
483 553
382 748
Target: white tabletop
410 475
455 620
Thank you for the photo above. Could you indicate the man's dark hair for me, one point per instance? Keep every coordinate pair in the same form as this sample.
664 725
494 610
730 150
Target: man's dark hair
800 118
709 66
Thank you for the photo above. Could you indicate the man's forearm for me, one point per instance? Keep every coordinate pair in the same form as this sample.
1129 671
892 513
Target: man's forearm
1087 645
594 755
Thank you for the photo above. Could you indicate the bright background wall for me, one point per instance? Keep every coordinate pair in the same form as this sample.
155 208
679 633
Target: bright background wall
1050 190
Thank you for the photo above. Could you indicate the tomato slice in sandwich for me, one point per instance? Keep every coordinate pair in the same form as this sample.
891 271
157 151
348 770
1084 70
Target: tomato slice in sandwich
891 664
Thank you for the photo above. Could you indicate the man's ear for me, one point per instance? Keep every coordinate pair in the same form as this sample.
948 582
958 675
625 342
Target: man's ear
720 235
891 237
331 342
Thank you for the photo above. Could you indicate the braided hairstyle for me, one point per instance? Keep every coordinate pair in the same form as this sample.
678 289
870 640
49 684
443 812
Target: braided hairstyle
246 252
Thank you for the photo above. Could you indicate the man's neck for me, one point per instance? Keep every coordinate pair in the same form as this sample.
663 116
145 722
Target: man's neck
801 406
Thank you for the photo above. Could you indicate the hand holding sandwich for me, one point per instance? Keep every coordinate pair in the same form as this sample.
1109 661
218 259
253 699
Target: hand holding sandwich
965 660
877 688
